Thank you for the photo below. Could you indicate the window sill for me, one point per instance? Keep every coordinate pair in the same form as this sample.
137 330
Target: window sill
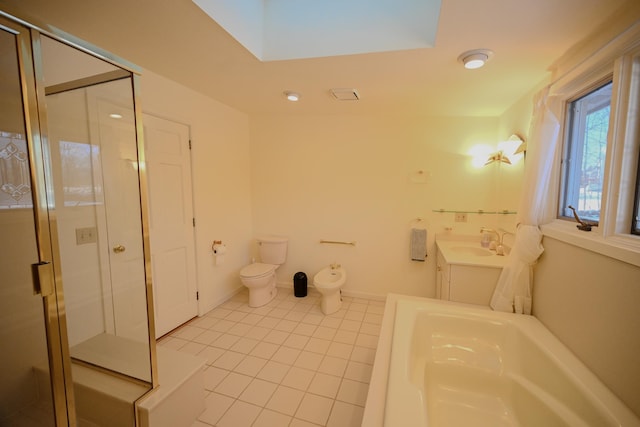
625 248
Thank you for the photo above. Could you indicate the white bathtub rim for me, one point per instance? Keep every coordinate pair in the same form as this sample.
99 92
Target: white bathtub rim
374 414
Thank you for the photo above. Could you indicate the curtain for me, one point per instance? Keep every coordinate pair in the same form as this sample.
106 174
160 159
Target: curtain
513 290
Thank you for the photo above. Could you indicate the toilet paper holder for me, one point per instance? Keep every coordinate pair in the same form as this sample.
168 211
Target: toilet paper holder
218 247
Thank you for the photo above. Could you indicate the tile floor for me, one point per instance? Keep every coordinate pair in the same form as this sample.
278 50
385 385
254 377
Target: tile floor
284 364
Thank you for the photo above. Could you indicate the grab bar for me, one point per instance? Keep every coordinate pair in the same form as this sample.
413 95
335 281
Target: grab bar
336 242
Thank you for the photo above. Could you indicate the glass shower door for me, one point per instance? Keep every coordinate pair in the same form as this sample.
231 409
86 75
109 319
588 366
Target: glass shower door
30 337
95 185
96 210
94 164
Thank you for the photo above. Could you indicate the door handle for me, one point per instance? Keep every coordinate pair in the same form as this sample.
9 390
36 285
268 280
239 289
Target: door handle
43 280
119 249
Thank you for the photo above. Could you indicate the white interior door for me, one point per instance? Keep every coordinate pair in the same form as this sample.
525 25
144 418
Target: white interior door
120 231
171 222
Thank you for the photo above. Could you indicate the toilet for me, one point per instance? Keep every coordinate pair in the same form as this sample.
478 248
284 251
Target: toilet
328 282
260 277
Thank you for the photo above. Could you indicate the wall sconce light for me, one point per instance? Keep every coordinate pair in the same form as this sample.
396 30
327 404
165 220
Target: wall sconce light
498 156
292 96
509 152
522 148
476 58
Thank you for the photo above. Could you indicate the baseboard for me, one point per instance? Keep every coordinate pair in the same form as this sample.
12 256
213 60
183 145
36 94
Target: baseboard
345 291
361 294
202 310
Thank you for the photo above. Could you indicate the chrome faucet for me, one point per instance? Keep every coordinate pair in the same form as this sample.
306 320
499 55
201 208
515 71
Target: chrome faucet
491 230
500 237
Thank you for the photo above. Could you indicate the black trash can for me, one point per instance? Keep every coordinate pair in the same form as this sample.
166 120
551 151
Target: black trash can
300 284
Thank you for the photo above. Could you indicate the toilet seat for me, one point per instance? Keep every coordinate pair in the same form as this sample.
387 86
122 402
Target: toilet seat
257 270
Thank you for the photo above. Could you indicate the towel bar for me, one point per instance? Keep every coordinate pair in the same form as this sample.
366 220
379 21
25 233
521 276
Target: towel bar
336 242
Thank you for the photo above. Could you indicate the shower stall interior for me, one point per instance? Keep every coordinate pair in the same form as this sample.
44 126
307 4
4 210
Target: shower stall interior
76 308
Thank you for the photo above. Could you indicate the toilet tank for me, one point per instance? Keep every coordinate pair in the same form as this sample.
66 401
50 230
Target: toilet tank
273 249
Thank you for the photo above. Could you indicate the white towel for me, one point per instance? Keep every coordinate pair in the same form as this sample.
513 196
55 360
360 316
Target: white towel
418 244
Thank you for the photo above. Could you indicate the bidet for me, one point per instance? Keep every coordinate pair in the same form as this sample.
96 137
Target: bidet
328 282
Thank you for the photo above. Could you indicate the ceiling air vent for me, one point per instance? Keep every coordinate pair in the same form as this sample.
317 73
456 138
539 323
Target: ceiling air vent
345 94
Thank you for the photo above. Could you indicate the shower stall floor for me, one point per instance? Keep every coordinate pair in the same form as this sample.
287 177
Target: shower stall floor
115 353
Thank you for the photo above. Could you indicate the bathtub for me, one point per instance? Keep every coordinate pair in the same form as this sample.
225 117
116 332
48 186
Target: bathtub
445 364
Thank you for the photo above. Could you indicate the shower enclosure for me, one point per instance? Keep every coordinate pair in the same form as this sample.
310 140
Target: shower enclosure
75 289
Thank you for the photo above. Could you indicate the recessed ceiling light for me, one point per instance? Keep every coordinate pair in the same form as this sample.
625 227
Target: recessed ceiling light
476 58
115 116
292 96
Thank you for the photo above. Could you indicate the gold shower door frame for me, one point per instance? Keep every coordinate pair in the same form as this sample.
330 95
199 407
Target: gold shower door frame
45 284
48 271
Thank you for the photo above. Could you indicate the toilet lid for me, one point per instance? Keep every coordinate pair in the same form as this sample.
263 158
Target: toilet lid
256 269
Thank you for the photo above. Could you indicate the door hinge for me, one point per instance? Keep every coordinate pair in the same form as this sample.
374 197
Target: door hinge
197 296
194 222
189 144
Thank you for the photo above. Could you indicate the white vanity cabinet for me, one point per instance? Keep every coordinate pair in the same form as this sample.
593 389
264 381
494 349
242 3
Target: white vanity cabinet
442 276
462 277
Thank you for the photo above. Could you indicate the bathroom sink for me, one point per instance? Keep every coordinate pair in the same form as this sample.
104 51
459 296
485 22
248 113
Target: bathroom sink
470 250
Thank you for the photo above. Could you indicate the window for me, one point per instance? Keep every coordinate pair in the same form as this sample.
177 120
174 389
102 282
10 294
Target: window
597 100
78 161
587 124
600 168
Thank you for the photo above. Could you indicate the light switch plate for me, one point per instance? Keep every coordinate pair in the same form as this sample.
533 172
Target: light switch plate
86 235
461 217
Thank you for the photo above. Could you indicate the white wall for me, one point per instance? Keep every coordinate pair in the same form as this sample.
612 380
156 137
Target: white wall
516 120
590 302
349 177
221 180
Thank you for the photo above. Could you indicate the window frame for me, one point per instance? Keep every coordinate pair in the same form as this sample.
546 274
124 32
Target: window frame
569 149
620 58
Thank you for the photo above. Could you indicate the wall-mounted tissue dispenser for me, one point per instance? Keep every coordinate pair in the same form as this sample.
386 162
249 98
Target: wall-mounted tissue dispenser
219 250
